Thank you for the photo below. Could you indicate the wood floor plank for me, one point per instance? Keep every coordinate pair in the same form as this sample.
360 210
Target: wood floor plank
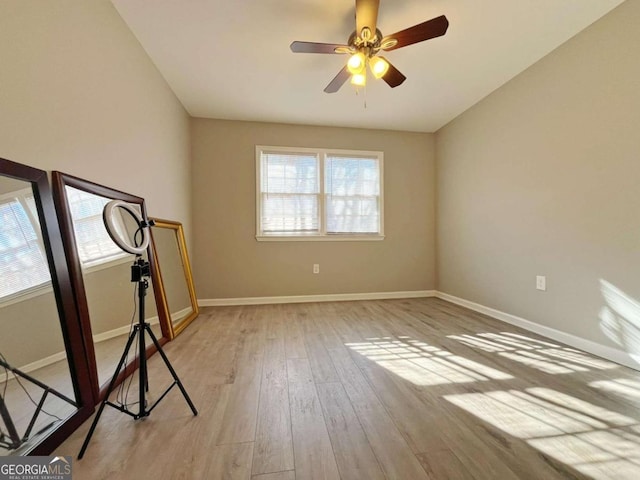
390 447
353 453
240 417
230 462
273 450
321 366
314 458
444 464
290 475
224 338
294 337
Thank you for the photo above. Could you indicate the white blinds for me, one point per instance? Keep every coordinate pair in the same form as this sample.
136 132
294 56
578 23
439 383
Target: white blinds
93 241
23 262
290 188
352 189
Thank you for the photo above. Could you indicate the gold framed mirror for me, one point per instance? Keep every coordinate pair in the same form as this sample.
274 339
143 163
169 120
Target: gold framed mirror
175 281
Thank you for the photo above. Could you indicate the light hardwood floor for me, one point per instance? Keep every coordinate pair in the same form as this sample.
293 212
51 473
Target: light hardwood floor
398 389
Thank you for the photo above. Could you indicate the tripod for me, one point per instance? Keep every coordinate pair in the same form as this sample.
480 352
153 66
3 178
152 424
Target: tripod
139 272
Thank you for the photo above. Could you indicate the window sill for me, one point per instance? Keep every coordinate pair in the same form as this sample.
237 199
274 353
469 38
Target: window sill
101 265
26 294
319 238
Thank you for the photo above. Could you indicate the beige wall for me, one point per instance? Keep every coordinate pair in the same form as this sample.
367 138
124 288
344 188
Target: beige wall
229 262
11 185
79 94
542 178
30 330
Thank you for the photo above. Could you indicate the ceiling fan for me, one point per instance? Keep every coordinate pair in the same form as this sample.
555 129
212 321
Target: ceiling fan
365 43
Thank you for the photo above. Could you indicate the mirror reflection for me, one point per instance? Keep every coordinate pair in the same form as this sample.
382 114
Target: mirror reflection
36 389
175 273
106 271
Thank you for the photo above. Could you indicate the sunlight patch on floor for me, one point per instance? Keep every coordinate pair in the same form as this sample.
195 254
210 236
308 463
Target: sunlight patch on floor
623 387
595 441
423 364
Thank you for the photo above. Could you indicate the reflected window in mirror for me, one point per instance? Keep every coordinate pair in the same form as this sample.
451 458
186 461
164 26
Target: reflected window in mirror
23 261
44 390
95 247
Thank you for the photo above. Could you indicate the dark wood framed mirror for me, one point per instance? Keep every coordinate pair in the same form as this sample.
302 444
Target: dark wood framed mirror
101 277
45 392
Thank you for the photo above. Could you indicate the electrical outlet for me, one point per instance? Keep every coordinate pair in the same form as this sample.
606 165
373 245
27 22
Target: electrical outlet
316 268
541 282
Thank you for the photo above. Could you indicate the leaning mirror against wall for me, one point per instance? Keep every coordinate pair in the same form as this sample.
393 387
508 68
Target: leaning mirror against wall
176 281
45 393
101 273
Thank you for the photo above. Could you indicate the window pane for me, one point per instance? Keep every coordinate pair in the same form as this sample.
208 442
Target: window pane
352 215
289 213
23 263
352 187
289 173
289 188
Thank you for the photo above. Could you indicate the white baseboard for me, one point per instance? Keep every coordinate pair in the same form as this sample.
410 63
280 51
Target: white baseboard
336 297
181 313
56 357
116 332
604 351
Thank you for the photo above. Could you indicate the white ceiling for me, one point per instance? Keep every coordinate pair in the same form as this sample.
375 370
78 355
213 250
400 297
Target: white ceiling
231 59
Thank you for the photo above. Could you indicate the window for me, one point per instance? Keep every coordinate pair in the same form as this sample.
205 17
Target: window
23 262
94 244
318 194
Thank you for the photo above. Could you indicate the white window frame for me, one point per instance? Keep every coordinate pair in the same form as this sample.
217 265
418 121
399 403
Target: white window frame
322 235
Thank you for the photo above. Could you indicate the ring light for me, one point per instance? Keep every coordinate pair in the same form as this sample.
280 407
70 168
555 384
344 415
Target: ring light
109 217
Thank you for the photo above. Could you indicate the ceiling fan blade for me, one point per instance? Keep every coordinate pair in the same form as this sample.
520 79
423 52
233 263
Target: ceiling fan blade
367 15
338 81
312 47
435 27
393 77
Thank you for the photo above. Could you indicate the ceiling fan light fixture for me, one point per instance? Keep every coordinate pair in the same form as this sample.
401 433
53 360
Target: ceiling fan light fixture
359 79
379 66
356 63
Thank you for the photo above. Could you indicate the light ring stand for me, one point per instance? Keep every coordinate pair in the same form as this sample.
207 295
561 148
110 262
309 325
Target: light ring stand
139 273
109 217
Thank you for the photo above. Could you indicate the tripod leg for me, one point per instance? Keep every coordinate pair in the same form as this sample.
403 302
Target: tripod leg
87 439
13 433
173 372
